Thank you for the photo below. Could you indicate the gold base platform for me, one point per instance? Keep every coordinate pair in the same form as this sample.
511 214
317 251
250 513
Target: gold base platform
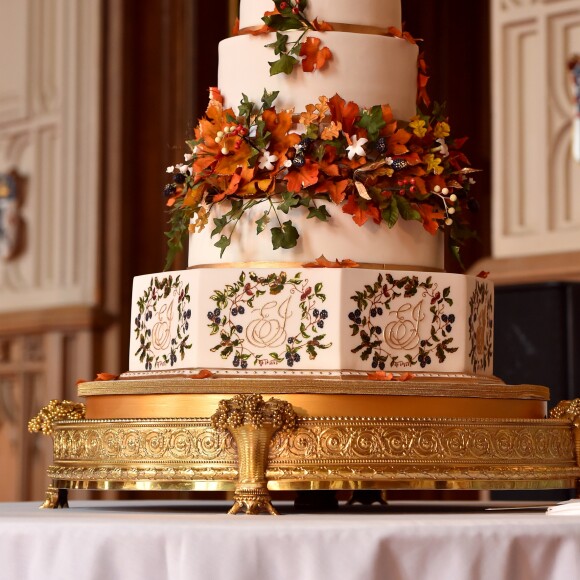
218 434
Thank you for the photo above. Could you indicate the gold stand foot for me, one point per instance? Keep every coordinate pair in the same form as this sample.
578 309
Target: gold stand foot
55 499
252 501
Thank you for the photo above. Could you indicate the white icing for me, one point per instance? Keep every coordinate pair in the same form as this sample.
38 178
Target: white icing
367 69
338 239
382 13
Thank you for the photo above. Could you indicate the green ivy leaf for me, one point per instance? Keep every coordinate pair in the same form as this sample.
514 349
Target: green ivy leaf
372 121
223 243
391 213
285 64
406 210
289 200
246 107
262 223
279 48
220 224
320 213
237 209
285 21
268 98
285 237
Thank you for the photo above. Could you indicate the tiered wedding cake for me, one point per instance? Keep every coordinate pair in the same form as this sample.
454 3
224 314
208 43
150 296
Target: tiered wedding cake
316 211
275 184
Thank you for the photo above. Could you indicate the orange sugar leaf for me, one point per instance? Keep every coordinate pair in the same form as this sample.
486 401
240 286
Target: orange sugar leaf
321 25
106 377
202 374
323 262
305 176
380 376
315 57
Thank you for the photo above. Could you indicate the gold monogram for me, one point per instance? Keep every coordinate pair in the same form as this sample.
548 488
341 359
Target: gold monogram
269 330
403 333
161 334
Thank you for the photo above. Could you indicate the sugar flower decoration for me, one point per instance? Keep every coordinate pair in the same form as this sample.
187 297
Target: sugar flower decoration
443 149
356 147
267 160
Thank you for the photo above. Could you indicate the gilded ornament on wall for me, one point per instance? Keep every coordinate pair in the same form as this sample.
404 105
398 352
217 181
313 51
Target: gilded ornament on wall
269 320
402 322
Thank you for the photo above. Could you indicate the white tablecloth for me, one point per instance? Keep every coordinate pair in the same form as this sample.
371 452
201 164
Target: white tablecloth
183 540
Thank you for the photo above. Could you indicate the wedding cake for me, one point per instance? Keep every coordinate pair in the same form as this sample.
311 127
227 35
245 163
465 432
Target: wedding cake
316 199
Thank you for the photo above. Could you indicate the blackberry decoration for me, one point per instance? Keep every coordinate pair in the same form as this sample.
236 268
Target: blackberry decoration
179 178
169 190
381 145
399 164
299 160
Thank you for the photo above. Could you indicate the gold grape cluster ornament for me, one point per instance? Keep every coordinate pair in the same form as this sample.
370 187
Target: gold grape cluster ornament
56 410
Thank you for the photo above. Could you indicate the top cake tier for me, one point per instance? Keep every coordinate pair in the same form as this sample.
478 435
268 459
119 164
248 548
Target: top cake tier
382 13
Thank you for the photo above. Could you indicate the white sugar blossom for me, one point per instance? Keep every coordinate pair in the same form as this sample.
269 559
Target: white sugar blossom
472 181
183 168
357 147
287 163
389 160
267 161
170 169
189 156
443 149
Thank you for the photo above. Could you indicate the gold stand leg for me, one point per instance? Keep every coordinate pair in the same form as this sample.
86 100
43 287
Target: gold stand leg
252 423
55 499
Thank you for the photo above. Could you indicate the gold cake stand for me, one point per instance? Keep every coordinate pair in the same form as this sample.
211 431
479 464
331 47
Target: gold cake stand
255 434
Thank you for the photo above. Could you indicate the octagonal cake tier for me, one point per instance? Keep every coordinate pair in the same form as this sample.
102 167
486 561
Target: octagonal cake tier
276 320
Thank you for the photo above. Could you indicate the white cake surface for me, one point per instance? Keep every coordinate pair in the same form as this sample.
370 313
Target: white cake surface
381 13
366 68
406 245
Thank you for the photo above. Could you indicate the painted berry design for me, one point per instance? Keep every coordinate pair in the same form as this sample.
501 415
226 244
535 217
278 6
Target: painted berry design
402 322
162 339
268 320
480 326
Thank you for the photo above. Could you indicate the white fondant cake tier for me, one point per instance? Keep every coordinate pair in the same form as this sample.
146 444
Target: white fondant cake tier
271 320
382 13
339 238
366 68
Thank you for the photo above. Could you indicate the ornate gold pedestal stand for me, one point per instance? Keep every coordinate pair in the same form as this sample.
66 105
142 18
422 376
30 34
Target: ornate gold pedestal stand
315 434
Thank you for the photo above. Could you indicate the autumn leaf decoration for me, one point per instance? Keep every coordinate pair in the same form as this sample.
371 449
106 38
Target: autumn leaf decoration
300 50
361 160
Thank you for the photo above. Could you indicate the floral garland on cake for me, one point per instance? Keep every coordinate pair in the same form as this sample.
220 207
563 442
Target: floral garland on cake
362 159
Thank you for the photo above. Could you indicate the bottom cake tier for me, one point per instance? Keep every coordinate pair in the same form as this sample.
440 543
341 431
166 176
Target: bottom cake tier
222 434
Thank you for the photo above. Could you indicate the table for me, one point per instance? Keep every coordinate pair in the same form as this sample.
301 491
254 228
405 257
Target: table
179 540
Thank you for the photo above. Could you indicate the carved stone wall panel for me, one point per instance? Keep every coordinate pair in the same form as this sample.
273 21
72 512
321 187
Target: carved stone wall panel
535 209
34 369
564 172
60 50
13 60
